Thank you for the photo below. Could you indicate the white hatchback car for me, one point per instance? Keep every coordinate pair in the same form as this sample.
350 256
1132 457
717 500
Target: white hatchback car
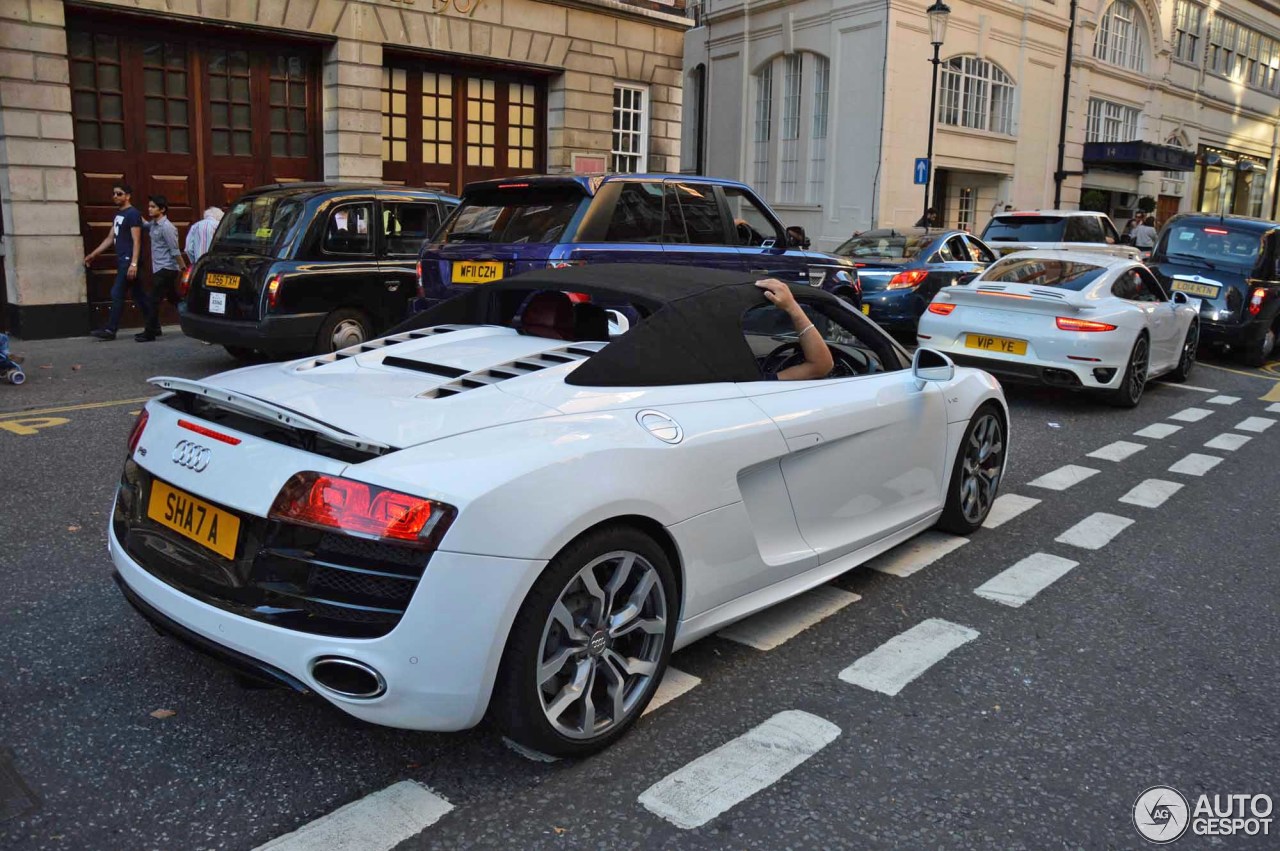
504 507
1068 319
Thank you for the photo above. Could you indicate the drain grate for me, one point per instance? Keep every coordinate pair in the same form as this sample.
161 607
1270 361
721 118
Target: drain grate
16 798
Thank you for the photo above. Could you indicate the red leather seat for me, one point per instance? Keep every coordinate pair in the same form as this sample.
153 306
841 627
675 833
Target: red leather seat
548 314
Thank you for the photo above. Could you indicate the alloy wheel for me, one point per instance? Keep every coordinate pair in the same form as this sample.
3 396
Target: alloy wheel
1138 370
601 645
348 332
982 468
1192 344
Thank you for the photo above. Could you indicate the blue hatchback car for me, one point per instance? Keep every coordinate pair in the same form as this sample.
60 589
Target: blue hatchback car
505 227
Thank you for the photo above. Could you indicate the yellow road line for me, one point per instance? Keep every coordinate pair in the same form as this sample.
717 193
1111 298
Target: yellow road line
1239 371
1272 395
86 406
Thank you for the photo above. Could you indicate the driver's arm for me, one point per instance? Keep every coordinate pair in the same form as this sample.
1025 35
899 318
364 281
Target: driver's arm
817 357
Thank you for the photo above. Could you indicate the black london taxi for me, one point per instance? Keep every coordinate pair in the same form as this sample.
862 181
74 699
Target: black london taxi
310 267
1232 264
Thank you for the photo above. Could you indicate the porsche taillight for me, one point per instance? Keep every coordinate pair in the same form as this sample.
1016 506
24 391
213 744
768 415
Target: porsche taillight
1067 323
942 308
135 434
907 280
332 502
1255 301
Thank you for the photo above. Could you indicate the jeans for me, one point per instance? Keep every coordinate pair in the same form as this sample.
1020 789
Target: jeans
134 288
163 287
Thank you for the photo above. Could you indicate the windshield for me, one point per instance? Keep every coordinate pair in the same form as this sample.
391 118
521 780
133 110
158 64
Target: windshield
257 225
1213 245
1068 274
883 247
1024 229
527 215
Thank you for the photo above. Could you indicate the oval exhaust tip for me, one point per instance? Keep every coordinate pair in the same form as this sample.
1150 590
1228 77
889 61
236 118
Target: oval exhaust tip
348 678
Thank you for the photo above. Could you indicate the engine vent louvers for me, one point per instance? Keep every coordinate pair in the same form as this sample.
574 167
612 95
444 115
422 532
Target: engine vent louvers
1049 294
423 366
373 345
513 369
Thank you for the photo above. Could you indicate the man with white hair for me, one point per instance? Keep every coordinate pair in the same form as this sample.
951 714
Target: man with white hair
200 235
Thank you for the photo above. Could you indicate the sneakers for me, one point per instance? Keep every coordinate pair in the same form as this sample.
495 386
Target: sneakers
145 337
103 334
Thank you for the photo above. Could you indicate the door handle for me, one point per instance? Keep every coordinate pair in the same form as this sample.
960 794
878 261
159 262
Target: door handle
391 286
759 271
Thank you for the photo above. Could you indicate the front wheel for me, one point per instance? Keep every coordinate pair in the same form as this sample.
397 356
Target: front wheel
975 478
589 645
1134 381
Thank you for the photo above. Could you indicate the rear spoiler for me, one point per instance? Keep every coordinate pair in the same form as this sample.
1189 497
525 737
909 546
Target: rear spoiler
984 293
268 411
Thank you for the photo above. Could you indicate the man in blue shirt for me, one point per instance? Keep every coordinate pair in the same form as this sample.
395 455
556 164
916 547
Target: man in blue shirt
126 234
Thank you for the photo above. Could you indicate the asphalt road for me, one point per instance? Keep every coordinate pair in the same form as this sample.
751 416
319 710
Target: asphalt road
1150 662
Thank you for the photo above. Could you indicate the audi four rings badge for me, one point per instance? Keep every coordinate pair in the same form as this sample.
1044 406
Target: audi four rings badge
193 456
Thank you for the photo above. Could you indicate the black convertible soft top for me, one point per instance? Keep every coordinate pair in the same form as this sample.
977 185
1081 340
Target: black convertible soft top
691 332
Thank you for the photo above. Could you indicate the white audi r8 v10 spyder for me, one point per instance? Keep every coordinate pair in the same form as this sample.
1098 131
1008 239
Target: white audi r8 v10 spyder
1069 319
503 507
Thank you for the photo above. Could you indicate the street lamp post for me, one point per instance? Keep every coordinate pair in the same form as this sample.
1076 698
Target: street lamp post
938 14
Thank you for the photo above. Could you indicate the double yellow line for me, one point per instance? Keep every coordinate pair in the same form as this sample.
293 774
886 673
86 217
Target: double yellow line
11 415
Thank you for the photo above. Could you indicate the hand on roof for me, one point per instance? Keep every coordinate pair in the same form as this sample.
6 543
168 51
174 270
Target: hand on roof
779 294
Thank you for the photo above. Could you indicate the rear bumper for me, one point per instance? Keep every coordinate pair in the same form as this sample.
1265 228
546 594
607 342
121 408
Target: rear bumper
1242 335
894 310
1055 375
273 335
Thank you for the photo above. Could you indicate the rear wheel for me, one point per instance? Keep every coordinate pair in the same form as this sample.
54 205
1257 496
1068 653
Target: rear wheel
1188 359
1257 354
589 645
975 478
1134 382
342 328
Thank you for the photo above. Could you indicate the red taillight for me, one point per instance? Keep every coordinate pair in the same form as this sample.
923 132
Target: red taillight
184 283
1217 231
208 432
1255 302
1066 323
565 264
136 434
941 308
422 291
907 280
273 292
329 502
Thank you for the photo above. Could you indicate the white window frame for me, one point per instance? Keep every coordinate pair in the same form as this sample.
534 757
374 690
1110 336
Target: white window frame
630 124
789 176
1111 122
821 120
1188 28
763 135
1224 58
976 94
1122 36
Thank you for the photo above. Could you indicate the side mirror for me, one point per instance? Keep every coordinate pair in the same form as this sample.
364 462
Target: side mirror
931 365
797 238
619 324
1180 297
967 277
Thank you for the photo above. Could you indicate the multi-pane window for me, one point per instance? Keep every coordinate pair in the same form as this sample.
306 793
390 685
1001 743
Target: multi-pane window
789 136
437 118
520 126
166 105
818 153
1111 122
1174 182
630 129
1261 56
1223 58
1122 36
395 109
230 115
1187 19
481 120
97 98
976 94
763 124
964 211
287 101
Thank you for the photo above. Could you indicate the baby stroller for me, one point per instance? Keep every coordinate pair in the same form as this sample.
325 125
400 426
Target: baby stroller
8 366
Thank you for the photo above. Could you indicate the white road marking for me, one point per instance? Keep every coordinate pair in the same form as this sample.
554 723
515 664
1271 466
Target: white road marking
778 624
1222 400
1255 424
1095 531
1228 442
1195 464
1152 493
916 554
674 683
1274 408
1024 580
1006 508
1117 451
1175 386
893 665
1158 431
1063 477
376 822
713 783
1190 415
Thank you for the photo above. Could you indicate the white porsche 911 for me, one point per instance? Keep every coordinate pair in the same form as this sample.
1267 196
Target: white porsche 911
1069 319
504 507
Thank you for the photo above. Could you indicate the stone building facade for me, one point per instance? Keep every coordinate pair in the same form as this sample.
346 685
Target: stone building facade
824 106
200 100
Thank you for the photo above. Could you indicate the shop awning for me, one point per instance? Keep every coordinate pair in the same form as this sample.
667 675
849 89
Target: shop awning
1137 156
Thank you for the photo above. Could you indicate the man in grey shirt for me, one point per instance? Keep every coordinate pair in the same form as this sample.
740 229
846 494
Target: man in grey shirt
167 262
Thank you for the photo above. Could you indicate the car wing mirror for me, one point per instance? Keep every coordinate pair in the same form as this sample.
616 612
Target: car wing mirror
619 324
1180 297
931 365
961 280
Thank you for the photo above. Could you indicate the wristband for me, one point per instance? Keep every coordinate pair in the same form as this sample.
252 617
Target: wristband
808 327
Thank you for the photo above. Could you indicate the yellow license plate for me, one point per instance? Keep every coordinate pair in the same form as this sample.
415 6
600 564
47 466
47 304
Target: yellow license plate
194 518
476 272
1003 345
866 310
222 282
1192 288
